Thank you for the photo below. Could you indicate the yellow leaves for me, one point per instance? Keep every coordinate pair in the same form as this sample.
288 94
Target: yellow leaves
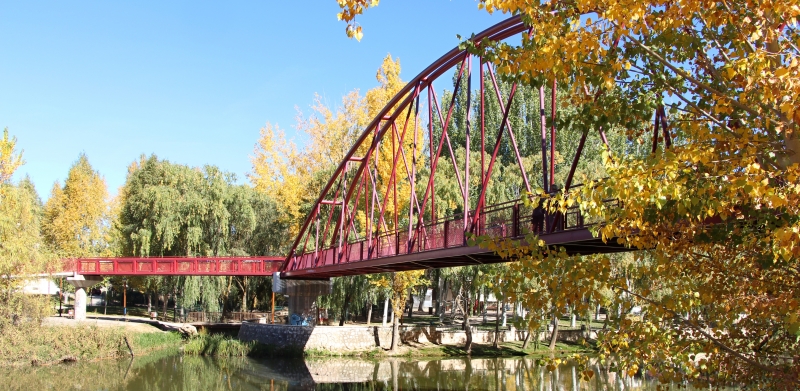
10 159
75 216
350 9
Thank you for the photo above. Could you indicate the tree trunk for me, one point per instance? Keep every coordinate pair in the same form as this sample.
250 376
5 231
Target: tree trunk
369 312
165 306
174 304
395 333
423 294
410 304
385 311
244 294
527 339
554 335
485 306
149 303
344 309
467 327
496 323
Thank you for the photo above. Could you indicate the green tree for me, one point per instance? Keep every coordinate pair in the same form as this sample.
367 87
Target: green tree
169 209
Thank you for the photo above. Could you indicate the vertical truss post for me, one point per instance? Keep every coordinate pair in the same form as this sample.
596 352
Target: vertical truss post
482 197
664 128
393 177
413 195
553 137
515 232
543 126
483 137
656 122
466 151
431 162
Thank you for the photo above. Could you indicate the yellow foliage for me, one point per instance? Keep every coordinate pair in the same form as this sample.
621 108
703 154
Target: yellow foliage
10 159
76 215
716 216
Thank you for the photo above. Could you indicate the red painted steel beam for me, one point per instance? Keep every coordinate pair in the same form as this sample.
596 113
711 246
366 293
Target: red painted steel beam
400 101
578 241
175 266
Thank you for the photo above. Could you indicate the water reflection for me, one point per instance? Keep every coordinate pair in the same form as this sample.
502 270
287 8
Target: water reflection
171 371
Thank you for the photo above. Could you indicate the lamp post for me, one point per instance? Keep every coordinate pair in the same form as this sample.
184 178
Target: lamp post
60 296
125 299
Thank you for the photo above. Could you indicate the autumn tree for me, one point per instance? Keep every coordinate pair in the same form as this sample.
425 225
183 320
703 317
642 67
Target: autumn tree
718 203
401 284
10 159
22 251
76 214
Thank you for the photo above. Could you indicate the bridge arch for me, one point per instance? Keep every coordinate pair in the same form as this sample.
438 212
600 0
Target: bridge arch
359 223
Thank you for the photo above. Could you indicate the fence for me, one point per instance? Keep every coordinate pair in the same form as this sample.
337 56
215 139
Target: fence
223 317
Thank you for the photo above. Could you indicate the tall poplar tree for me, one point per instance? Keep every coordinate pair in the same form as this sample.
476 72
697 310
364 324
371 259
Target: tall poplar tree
76 215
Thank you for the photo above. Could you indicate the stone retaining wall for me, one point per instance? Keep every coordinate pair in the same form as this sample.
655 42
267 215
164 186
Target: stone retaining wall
364 338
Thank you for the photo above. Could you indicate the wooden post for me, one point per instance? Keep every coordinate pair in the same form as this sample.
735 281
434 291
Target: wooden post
272 321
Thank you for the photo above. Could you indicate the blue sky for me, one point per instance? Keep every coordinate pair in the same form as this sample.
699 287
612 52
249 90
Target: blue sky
193 82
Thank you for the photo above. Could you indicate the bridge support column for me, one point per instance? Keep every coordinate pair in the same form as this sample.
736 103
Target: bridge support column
302 297
81 283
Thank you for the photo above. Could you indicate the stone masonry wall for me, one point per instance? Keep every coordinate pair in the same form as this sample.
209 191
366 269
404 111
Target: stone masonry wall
363 338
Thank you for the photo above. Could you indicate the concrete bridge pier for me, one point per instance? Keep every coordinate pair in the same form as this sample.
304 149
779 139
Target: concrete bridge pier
302 297
80 283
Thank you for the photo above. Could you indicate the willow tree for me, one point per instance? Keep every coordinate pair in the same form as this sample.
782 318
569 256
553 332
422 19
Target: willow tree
719 205
169 209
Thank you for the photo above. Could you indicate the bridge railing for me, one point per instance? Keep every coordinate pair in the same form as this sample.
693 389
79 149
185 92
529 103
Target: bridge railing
511 219
175 266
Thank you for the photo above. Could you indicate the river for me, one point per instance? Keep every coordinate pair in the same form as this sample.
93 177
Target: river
175 372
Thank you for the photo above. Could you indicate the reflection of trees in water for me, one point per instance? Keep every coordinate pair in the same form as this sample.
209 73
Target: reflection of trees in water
168 371
507 374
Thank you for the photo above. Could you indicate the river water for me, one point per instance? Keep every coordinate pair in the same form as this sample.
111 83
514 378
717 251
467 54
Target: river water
175 372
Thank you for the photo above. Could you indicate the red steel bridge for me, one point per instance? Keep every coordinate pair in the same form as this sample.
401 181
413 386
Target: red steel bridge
378 211
175 266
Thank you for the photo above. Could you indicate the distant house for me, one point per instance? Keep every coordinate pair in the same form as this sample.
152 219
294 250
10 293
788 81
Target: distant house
40 286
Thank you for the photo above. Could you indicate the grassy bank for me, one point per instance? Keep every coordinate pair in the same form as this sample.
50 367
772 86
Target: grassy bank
226 346
506 349
37 345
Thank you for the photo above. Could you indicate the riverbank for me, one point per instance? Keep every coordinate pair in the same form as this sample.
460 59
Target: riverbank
225 346
57 340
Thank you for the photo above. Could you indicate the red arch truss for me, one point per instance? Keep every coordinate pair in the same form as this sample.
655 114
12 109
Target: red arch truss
377 212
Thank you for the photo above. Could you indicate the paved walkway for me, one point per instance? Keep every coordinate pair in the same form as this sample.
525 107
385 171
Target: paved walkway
133 324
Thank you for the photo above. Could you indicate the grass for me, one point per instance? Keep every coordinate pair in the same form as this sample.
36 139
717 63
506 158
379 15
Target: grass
37 345
147 342
217 345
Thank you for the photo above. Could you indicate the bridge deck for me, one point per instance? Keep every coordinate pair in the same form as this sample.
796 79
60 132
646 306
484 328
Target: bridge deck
577 241
444 244
175 266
